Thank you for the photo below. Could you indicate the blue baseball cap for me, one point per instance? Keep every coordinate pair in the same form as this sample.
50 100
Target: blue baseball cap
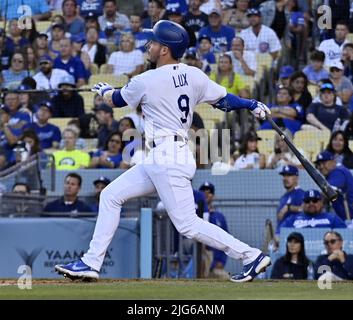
253 12
77 38
47 104
174 10
102 179
324 156
312 194
45 58
207 186
103 107
286 71
4 108
191 53
289 171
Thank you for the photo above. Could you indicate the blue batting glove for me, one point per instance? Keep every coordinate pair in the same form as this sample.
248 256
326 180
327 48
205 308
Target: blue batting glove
101 88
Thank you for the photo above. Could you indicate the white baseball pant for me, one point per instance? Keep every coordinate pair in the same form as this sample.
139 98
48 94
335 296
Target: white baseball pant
168 169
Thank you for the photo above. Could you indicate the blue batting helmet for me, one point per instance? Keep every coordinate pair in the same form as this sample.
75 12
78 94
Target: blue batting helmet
171 35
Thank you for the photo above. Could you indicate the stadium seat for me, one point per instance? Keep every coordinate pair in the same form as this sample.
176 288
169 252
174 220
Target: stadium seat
311 141
116 81
207 112
264 62
350 144
209 124
43 26
266 145
250 82
104 69
60 122
349 37
88 100
94 68
91 145
313 89
121 112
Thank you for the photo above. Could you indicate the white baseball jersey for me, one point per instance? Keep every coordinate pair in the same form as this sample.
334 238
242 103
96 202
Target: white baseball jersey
168 96
265 42
332 50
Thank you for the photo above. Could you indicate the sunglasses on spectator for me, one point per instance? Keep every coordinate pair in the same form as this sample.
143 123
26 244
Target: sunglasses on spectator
331 241
311 200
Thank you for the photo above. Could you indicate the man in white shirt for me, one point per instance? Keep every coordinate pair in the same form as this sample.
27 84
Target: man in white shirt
333 47
258 37
244 61
47 77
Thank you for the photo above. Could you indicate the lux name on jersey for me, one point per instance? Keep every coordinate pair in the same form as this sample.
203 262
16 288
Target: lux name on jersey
180 80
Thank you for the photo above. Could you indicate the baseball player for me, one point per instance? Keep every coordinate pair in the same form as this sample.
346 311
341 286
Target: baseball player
168 96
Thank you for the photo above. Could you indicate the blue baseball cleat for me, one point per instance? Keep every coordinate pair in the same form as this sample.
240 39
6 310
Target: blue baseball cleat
253 269
77 270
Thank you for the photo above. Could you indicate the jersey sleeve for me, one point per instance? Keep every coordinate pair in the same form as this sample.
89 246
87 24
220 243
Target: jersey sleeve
209 91
133 91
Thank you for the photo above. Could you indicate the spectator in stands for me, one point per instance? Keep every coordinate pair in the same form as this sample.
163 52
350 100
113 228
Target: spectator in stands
18 118
39 9
73 65
155 11
323 115
313 215
285 113
68 103
112 20
291 202
107 124
284 75
125 124
73 21
49 77
192 58
315 71
96 51
209 5
15 40
77 44
133 7
128 60
99 185
347 60
236 16
341 178
5 52
301 94
111 156
218 32
92 21
69 202
333 47
244 61
32 60
260 38
205 50
74 124
41 45
294 264
226 77
195 18
57 34
89 122
136 30
249 156
26 100
339 147
11 78
340 263
70 158
282 155
49 134
30 32
21 188
217 218
343 86
8 136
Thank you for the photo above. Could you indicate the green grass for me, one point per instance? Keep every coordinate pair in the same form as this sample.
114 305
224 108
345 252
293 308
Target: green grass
175 290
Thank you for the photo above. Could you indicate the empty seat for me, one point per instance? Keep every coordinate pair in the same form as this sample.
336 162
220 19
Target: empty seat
266 145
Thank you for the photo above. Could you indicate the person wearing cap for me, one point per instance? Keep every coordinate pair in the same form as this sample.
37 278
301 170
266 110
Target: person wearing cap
340 178
49 134
244 61
260 38
313 215
285 112
42 44
219 257
333 47
107 123
99 185
291 201
205 49
249 156
284 75
69 202
192 58
195 18
315 71
343 86
68 103
218 32
339 262
323 115
57 33
77 42
294 264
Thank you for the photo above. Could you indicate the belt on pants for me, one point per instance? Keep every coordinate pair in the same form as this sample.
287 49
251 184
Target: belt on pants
176 138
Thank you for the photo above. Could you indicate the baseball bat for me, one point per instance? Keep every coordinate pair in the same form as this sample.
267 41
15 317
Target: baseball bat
319 179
